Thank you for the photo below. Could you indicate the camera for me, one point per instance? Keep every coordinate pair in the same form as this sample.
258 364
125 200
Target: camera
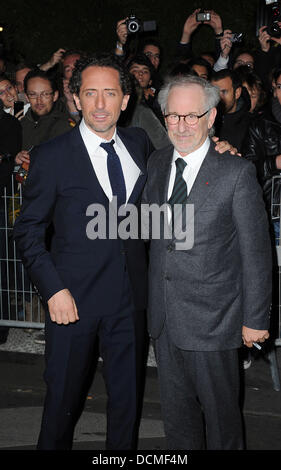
18 106
236 37
134 25
273 29
203 16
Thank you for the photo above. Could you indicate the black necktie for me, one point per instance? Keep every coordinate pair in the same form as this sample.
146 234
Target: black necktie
115 173
179 194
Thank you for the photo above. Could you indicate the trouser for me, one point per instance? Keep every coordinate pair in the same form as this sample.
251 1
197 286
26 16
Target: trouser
199 393
69 356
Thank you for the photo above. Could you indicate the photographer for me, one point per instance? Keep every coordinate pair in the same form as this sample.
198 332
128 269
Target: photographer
233 116
143 71
184 47
268 56
9 96
263 142
150 47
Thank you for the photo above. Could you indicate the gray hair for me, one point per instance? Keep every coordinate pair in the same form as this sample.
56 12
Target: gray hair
211 92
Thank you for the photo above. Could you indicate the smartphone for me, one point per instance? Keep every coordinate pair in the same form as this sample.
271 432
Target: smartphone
203 16
18 106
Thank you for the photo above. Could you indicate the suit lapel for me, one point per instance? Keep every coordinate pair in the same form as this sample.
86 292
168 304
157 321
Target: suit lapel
134 152
85 168
204 184
205 180
164 172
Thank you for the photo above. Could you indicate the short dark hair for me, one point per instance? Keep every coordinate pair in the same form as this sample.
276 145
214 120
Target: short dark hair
4 76
23 65
225 73
70 52
276 73
100 60
149 41
37 73
141 59
203 63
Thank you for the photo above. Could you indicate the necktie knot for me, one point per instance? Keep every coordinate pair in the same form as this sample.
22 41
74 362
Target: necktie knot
180 164
115 173
108 146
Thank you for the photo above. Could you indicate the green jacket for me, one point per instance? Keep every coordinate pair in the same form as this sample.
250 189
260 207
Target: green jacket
47 127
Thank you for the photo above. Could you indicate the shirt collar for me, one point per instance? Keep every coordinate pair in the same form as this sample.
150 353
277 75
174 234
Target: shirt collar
91 138
193 159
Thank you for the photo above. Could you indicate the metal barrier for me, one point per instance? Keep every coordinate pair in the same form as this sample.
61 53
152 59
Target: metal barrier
20 305
276 221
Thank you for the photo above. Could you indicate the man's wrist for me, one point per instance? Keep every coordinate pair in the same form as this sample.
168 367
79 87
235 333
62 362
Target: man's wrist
185 39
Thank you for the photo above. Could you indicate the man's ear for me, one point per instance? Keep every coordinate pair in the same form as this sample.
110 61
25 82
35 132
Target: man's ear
212 117
238 92
125 102
77 102
56 95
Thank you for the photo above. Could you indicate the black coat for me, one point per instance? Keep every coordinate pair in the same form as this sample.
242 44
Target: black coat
261 146
233 126
10 144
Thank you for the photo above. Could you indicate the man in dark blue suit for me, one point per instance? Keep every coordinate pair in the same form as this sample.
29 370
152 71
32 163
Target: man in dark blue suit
93 289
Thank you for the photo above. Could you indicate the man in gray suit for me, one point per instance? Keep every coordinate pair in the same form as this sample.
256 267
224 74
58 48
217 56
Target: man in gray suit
204 301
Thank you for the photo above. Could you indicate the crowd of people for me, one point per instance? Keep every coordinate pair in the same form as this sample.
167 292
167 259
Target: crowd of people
242 93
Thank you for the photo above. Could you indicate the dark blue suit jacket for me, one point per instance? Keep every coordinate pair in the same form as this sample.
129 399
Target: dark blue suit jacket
60 186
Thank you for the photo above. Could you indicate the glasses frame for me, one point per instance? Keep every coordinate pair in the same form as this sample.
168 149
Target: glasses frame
44 94
166 116
7 90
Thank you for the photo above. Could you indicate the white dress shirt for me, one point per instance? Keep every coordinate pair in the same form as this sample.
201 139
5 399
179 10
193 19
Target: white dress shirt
98 158
194 161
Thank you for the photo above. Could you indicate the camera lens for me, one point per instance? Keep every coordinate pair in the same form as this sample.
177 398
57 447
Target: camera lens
133 27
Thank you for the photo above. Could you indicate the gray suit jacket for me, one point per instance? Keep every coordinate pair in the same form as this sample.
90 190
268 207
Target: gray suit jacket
207 293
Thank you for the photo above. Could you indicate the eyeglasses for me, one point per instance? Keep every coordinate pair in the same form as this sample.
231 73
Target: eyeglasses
8 89
190 119
150 54
43 94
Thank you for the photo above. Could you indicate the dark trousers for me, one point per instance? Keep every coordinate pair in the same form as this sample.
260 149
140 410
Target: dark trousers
69 356
199 397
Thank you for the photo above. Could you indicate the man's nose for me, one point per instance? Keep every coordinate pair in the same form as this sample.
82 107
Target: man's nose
100 101
182 125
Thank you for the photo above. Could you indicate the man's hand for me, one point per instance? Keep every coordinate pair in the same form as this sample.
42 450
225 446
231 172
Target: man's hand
147 92
278 162
55 59
122 31
22 157
225 43
62 308
224 146
251 336
215 22
190 26
264 39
